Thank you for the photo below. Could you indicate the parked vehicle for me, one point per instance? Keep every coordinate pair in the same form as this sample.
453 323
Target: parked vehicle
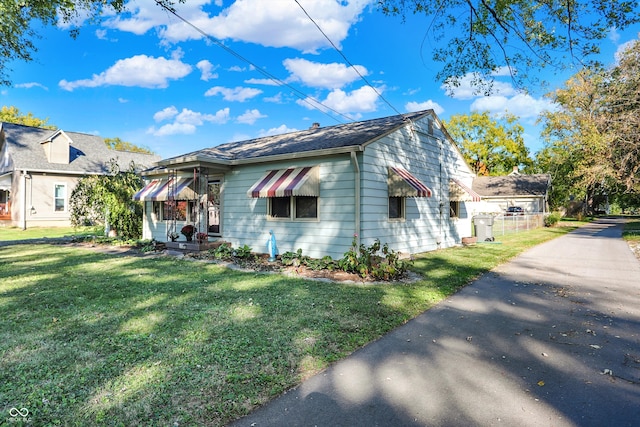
514 210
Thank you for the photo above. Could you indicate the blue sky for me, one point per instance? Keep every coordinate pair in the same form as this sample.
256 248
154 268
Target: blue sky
149 79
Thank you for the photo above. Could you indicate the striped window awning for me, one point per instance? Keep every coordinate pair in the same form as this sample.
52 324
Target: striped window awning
403 184
287 182
459 192
166 189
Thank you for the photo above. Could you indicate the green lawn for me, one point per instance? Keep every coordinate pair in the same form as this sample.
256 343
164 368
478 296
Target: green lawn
94 339
632 229
14 233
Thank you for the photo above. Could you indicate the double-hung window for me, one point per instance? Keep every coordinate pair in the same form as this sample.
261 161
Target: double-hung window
60 197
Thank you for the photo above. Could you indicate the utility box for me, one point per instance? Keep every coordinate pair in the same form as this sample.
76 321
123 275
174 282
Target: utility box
484 227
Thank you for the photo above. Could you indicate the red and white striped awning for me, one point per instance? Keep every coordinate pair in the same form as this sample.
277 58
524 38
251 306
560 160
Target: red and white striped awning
459 192
287 182
166 189
402 184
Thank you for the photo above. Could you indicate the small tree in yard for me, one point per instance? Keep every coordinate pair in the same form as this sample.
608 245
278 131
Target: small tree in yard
109 197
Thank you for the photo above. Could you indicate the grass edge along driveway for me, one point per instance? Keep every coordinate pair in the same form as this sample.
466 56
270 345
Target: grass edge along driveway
94 339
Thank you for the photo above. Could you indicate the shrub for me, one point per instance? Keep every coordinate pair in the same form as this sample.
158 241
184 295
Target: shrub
552 219
224 251
243 252
365 261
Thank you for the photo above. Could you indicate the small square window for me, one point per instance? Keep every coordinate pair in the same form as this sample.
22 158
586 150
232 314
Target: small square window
280 207
306 207
396 207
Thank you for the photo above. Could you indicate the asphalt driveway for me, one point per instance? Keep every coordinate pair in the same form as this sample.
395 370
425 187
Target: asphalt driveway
551 338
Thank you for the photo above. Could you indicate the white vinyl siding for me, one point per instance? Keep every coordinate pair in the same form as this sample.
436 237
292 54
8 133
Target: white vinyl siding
246 219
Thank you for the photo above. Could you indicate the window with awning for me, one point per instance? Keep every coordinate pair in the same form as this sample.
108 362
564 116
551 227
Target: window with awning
403 184
459 192
159 190
290 182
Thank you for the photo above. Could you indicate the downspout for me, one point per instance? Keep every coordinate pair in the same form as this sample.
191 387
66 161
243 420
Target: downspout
356 167
440 193
23 218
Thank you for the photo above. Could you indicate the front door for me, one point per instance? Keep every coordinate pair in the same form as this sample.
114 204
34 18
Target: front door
213 207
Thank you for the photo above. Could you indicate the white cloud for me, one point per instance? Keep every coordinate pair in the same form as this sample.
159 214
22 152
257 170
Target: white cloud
31 85
266 82
268 23
250 116
614 35
426 105
165 114
240 94
357 101
521 105
207 68
621 48
327 76
276 99
276 131
467 89
123 100
186 121
140 70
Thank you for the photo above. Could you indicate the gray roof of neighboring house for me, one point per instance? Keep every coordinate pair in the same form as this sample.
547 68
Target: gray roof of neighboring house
313 139
512 185
88 154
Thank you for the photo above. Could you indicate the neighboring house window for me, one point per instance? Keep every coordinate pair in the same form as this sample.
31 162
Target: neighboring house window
60 197
302 207
396 207
454 209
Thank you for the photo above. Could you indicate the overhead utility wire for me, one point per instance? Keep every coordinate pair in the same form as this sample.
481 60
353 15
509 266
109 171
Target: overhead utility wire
304 97
347 61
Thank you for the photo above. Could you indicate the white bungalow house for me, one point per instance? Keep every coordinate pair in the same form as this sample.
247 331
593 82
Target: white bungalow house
399 179
39 168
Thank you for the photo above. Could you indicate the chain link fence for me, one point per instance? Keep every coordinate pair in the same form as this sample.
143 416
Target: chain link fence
509 224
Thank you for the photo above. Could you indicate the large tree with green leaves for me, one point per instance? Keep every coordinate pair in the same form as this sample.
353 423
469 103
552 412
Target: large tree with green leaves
482 36
13 115
592 141
491 145
98 200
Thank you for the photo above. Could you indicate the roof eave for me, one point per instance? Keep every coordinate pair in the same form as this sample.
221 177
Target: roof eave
299 155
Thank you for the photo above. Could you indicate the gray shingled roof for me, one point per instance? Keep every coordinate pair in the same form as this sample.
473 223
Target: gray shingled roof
323 138
88 153
512 185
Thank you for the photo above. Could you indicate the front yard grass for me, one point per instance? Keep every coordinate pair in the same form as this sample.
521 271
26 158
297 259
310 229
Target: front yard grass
93 339
632 229
15 233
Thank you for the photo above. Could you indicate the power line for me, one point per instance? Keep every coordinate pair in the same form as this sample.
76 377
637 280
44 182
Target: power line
304 97
346 60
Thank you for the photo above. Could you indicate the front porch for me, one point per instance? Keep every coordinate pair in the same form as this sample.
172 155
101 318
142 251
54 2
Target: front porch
5 211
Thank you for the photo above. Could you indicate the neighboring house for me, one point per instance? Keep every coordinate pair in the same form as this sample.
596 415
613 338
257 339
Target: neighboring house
39 168
498 193
399 179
